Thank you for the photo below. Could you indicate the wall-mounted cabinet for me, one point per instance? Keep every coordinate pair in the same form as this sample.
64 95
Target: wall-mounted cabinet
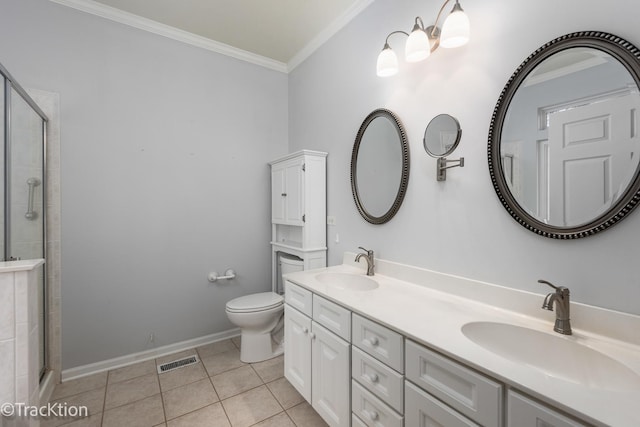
299 208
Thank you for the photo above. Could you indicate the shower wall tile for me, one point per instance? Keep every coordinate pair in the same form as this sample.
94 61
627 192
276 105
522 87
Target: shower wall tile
19 368
49 102
7 371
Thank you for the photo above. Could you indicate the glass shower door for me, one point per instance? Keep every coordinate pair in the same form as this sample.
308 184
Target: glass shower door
24 194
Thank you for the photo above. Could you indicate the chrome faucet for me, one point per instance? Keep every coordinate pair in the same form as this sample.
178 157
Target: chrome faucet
369 257
561 298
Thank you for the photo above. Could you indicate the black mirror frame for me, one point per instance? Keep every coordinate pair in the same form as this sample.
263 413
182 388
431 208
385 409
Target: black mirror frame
629 56
404 180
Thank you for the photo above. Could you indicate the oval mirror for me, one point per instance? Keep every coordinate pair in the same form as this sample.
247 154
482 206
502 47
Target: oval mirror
442 135
379 166
563 146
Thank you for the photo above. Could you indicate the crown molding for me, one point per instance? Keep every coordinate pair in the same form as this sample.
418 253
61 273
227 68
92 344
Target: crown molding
126 18
132 20
327 33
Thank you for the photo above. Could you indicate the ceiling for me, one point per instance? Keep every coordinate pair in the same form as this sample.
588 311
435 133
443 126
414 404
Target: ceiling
281 31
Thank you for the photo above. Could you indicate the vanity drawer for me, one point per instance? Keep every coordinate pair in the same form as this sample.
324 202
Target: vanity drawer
333 317
298 298
371 410
378 341
472 394
378 378
524 412
357 422
422 409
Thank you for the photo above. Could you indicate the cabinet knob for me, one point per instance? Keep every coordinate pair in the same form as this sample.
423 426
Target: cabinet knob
372 377
312 335
305 329
372 415
284 194
373 341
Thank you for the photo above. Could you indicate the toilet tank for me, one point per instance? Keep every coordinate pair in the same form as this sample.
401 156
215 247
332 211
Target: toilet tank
287 263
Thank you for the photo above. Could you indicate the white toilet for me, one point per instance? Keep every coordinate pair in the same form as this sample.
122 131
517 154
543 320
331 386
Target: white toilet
260 316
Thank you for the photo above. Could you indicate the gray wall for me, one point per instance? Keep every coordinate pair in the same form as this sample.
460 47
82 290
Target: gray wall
457 226
164 175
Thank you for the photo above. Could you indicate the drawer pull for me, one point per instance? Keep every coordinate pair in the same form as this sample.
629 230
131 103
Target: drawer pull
373 341
372 415
371 377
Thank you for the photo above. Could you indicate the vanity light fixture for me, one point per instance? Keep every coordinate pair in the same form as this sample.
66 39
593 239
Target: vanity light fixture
422 41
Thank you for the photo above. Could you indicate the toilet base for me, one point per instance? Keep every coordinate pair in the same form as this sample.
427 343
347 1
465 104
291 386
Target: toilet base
258 347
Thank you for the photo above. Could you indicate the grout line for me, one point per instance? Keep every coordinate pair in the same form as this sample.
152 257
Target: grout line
164 411
104 401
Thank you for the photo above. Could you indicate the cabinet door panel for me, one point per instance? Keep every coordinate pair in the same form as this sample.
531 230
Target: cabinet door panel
297 351
278 197
330 377
294 199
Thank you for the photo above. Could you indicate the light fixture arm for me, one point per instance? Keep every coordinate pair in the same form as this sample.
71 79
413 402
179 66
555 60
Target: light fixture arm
435 26
386 41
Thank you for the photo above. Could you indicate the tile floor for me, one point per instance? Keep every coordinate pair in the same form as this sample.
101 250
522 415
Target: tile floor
218 391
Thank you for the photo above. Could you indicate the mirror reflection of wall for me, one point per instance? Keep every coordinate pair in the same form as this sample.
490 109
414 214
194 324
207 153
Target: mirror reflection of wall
569 137
379 166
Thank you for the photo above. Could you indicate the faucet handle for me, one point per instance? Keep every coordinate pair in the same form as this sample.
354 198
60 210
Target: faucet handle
369 252
563 290
548 283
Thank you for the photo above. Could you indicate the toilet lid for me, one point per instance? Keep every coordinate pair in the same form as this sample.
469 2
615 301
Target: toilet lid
255 302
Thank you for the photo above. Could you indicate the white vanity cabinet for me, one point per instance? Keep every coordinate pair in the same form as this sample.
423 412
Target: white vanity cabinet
299 208
317 355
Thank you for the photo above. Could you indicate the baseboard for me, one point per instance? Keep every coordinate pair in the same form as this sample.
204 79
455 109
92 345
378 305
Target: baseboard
130 359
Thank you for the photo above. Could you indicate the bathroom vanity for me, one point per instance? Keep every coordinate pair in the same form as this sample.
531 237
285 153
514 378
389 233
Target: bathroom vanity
411 347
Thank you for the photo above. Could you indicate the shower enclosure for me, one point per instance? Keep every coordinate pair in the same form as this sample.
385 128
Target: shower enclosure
22 166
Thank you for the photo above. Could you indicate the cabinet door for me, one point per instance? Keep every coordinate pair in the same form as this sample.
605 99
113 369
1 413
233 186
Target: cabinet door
297 351
330 377
278 194
294 199
524 412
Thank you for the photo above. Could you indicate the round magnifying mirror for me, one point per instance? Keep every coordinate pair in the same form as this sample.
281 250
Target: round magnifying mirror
442 135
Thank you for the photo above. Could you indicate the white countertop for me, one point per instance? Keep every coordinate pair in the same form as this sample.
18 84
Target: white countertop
22 265
422 310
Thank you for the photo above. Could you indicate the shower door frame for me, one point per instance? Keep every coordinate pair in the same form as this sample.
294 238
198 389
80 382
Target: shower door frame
11 84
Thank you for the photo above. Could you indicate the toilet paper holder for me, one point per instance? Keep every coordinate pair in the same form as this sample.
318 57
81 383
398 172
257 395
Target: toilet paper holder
228 275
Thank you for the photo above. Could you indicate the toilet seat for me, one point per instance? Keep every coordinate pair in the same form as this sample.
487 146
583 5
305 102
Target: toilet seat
255 302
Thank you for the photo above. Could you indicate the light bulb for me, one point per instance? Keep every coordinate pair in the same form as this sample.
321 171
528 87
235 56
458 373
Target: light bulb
456 28
417 47
387 62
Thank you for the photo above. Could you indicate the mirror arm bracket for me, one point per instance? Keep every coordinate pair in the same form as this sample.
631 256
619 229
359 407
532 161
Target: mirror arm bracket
442 167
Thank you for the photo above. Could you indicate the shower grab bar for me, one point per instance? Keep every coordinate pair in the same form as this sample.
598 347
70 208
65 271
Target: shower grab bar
32 183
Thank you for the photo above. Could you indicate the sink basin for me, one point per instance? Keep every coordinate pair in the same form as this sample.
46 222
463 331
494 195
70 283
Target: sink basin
347 281
558 356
